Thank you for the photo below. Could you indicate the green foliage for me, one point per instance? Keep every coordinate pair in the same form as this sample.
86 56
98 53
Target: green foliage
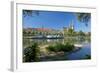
81 33
30 12
68 47
51 48
31 53
71 32
84 17
61 47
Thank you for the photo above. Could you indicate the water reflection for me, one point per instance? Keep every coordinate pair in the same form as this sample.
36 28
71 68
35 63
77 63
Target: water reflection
73 40
81 53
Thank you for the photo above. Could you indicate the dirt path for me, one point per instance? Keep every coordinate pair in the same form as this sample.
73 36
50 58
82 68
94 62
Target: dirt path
43 48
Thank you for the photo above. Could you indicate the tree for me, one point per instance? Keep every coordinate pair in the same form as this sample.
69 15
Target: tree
30 12
81 33
81 36
31 53
84 17
24 32
70 32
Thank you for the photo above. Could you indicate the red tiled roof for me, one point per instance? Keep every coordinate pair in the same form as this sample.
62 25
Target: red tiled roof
40 29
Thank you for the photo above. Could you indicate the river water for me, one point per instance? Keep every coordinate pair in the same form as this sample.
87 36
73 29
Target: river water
75 55
81 53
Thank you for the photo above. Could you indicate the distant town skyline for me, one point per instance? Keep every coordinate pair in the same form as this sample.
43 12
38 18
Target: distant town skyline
55 20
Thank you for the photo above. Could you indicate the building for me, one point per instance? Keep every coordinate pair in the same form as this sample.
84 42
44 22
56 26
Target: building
66 29
41 31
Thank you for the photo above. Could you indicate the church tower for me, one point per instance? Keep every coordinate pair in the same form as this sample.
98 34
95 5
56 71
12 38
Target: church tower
71 25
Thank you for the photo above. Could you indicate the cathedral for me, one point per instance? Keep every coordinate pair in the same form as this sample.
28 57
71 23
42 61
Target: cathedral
71 26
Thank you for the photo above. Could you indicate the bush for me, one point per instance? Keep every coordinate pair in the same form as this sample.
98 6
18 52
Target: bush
51 48
68 47
61 47
31 53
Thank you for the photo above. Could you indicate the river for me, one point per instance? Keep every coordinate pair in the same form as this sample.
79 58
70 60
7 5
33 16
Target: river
79 54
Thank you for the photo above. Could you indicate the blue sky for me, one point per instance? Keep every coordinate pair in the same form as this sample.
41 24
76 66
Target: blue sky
54 20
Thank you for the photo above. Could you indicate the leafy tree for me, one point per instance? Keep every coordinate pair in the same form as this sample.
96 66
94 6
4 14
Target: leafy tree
70 32
84 17
81 33
24 32
31 53
30 12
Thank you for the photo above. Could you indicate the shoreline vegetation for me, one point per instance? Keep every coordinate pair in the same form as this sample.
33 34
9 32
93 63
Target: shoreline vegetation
50 53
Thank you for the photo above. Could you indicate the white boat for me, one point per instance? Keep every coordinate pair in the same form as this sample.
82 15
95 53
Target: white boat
78 45
53 37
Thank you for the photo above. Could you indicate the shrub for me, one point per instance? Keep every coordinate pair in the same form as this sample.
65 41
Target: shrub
31 53
68 47
51 48
61 47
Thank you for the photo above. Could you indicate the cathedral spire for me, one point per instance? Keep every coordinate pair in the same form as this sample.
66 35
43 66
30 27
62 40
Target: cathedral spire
72 25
